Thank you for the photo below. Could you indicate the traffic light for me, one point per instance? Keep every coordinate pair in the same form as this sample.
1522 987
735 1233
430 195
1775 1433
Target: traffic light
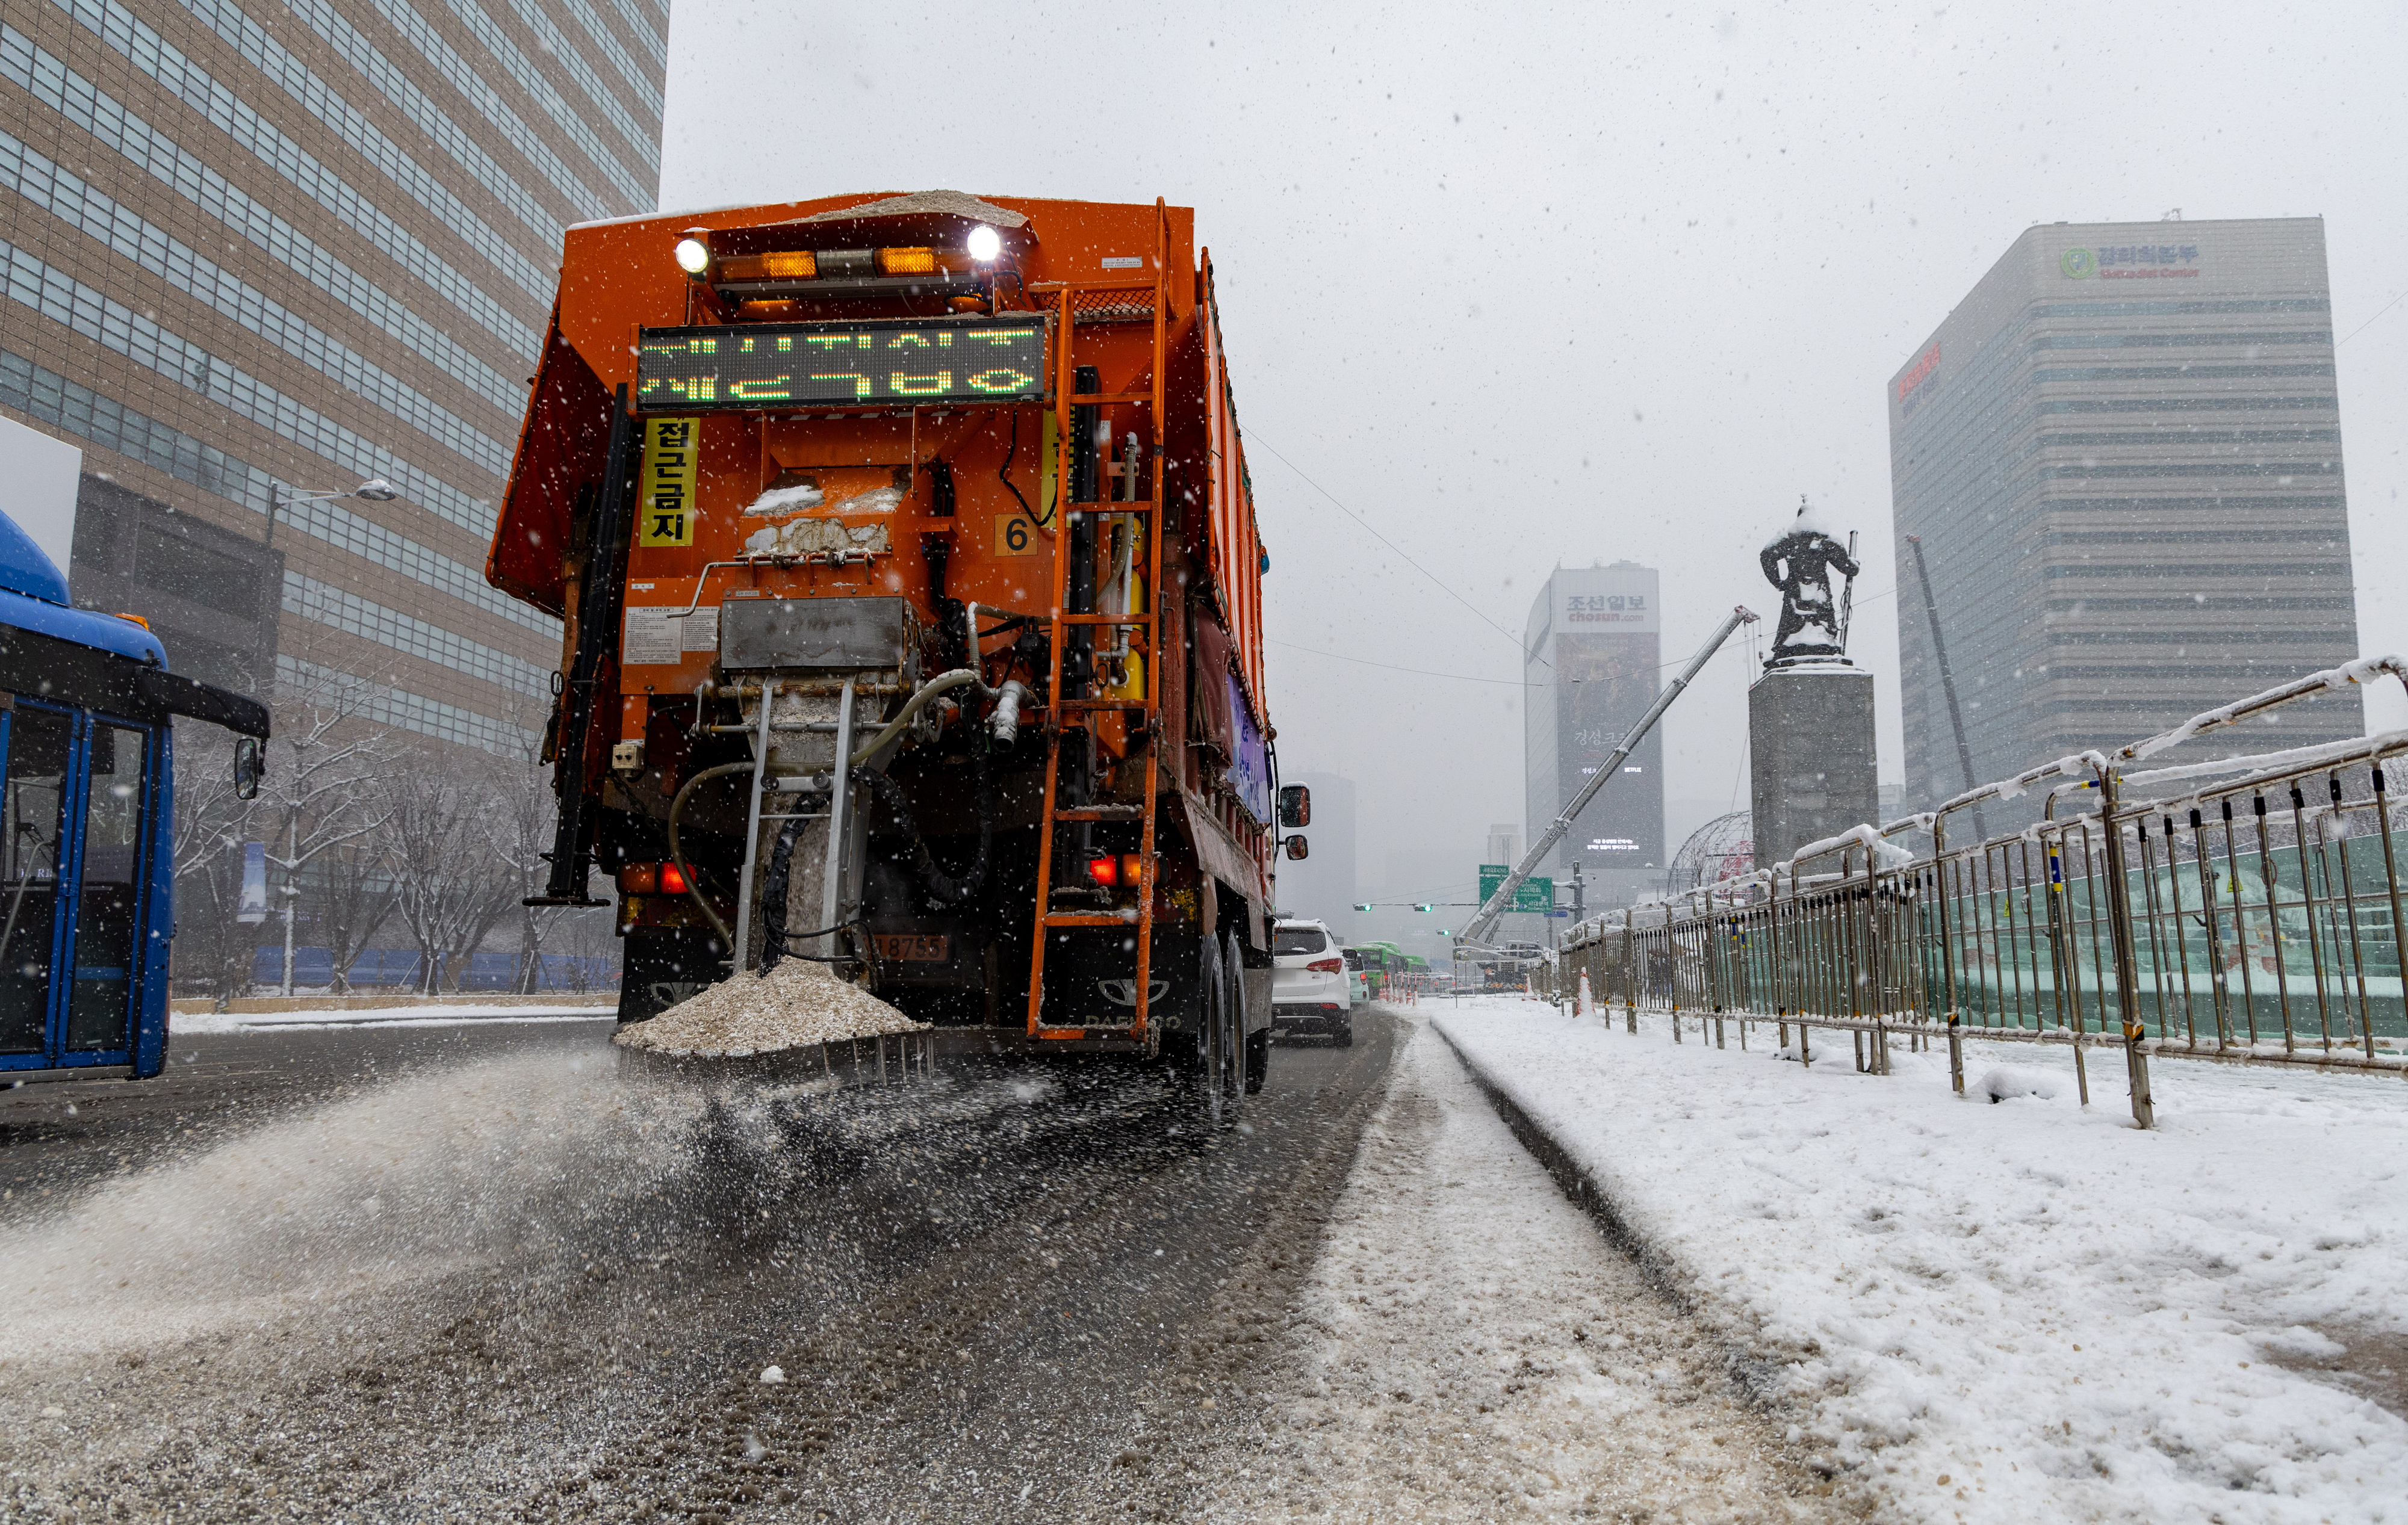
1362 907
1425 907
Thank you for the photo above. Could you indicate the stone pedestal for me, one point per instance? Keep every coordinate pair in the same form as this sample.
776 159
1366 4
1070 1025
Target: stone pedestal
1811 756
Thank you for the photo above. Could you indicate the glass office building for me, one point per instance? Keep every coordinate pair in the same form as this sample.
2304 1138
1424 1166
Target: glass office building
258 250
2122 454
1592 657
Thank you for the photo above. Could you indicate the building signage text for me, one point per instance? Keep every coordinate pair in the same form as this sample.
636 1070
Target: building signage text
1604 609
1919 372
2130 262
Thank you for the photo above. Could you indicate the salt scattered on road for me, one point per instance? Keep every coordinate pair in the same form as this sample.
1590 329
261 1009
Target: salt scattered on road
2017 1312
797 1004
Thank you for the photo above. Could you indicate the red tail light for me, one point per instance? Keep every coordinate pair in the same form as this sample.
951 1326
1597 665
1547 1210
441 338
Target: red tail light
650 879
1104 870
1326 966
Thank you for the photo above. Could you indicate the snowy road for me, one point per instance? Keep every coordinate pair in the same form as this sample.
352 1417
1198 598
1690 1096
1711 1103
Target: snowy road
1472 1348
511 1283
377 1275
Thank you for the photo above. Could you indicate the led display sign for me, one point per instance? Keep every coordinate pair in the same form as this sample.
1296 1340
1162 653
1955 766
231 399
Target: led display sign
802 366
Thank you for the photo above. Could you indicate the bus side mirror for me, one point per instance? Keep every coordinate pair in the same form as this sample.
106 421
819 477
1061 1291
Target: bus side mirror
1298 848
1296 807
249 765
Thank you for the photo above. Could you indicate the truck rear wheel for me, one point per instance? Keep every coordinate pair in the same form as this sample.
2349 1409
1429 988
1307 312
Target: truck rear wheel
1210 1061
1236 1050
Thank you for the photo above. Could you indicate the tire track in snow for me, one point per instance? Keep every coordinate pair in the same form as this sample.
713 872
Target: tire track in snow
1473 1350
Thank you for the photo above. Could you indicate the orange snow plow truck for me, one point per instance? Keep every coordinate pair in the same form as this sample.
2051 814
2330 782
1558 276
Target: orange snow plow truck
912 599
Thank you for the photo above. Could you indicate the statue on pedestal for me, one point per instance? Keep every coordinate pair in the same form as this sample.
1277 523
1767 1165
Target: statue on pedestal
1798 561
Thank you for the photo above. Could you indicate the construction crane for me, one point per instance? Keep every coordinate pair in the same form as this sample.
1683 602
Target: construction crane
1947 681
1484 921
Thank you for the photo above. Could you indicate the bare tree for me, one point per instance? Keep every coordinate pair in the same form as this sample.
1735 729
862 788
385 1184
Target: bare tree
212 950
589 940
321 805
442 817
351 895
527 813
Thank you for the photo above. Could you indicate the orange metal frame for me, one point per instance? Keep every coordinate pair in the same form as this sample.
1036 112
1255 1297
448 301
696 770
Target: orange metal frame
1064 713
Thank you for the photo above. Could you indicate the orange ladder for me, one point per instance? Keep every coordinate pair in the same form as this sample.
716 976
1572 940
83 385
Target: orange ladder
1066 715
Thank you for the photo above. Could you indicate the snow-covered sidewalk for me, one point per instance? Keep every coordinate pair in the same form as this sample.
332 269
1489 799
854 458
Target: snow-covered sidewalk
2025 1311
427 1014
1474 1350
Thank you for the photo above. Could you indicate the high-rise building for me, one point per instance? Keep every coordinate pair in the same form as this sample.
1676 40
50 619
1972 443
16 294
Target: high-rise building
257 254
1592 657
2122 455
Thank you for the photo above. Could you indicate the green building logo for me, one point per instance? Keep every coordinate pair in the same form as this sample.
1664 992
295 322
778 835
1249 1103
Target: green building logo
2078 264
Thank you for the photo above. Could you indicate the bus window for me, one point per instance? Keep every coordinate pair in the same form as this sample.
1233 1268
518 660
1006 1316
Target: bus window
30 798
110 898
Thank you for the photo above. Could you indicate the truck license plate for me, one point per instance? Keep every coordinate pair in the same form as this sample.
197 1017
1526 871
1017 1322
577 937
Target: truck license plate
913 947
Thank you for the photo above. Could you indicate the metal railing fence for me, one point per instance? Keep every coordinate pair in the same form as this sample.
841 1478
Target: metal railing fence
2247 909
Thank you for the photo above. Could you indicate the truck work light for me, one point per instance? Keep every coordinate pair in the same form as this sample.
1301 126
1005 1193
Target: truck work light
693 256
788 264
985 243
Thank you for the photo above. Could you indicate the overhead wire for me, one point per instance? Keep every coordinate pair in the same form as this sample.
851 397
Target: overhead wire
1435 581
2370 323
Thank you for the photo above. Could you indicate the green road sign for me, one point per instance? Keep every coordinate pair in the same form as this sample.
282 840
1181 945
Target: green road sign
1531 894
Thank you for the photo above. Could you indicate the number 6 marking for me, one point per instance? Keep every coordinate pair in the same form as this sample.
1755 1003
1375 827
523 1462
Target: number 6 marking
1014 536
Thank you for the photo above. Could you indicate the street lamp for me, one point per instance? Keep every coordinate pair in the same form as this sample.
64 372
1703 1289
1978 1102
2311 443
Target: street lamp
375 490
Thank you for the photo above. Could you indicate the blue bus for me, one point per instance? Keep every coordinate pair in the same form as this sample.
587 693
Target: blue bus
87 870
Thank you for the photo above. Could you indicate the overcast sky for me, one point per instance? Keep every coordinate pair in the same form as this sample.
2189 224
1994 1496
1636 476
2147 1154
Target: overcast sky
1521 287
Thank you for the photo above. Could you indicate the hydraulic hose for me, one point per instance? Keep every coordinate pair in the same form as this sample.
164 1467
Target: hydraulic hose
676 856
942 885
939 884
921 699
773 904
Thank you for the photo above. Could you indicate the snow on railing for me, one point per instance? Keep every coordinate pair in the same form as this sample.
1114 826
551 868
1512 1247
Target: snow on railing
2253 912
2361 670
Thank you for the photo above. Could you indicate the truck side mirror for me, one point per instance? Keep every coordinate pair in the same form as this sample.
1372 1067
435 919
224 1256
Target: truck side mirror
1296 807
1298 848
249 765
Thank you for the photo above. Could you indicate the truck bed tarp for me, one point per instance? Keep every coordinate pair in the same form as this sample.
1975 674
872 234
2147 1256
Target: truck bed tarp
1227 718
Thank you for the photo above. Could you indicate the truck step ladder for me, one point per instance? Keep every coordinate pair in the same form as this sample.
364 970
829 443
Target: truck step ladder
1067 716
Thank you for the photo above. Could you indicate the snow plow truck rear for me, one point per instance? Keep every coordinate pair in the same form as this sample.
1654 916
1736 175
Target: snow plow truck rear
910 584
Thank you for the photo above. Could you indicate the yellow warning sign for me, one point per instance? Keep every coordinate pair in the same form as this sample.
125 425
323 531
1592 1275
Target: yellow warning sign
668 502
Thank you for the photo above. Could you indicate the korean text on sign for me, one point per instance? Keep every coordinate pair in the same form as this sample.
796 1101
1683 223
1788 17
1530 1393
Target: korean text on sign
668 501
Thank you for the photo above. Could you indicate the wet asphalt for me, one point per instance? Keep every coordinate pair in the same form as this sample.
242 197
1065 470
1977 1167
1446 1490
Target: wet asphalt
1028 1293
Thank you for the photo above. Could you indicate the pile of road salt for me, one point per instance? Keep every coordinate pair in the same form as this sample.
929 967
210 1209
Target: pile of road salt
797 1004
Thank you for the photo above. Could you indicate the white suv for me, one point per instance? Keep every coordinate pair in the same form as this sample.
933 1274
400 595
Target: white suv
1309 988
